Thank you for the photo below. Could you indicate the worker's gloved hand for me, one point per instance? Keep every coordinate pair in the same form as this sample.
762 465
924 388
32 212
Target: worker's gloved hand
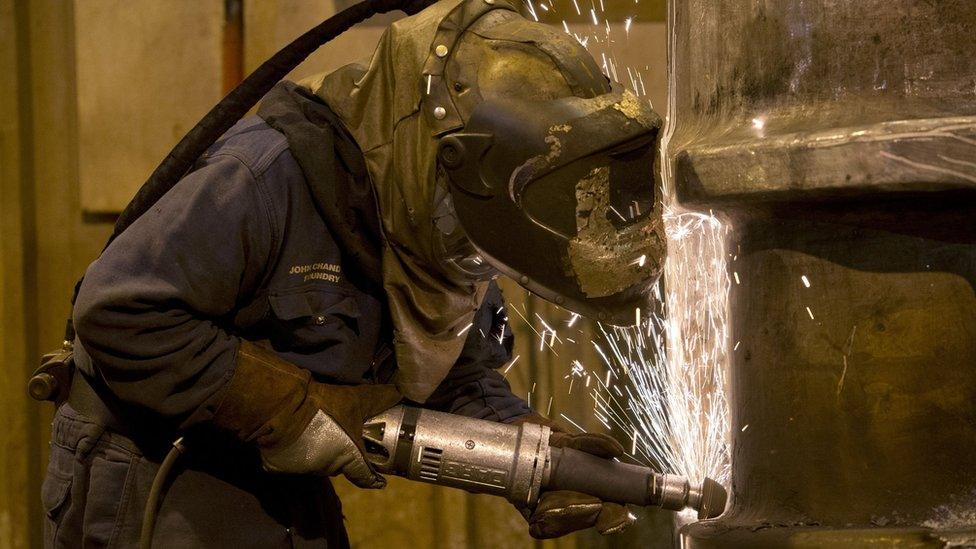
300 425
563 512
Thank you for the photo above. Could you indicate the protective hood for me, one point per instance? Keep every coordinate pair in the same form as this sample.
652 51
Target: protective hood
425 79
558 196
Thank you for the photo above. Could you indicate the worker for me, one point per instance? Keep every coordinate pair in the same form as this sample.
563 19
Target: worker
311 270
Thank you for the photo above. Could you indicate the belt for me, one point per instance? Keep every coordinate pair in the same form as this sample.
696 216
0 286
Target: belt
145 435
85 400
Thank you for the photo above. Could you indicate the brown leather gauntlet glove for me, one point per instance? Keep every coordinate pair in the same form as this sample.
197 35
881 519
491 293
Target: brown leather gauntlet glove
562 512
300 425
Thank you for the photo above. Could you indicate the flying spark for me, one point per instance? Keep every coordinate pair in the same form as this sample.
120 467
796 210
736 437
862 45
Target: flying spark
661 381
510 364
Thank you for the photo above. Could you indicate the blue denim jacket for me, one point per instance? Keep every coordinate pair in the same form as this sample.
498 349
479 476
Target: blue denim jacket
236 250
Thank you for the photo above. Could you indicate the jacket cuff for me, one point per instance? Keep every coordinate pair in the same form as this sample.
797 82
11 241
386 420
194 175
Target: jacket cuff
266 399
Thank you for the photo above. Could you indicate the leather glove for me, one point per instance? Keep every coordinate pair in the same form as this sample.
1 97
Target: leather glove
300 425
562 512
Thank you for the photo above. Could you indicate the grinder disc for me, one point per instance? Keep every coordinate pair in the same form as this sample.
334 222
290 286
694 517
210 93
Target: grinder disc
713 499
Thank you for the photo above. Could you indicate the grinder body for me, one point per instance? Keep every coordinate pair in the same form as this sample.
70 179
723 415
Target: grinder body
517 463
460 452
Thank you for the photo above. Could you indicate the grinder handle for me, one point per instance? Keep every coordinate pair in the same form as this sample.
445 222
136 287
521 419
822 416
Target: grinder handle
606 479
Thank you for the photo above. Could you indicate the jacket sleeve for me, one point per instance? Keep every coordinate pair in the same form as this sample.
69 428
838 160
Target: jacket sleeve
474 387
153 308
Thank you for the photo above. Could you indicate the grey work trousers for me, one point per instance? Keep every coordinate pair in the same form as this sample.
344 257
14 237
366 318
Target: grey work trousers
98 481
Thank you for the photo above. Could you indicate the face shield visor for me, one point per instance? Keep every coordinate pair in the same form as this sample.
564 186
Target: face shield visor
560 196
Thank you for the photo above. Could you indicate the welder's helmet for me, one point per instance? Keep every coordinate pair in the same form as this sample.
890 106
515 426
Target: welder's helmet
495 144
550 177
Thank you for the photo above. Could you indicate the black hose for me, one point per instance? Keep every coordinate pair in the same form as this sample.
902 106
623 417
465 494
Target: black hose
155 494
235 104
231 108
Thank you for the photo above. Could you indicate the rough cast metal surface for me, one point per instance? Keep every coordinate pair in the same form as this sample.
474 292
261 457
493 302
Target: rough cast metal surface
796 98
839 138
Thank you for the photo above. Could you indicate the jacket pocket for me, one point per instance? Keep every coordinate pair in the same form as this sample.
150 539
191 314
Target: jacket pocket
313 320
